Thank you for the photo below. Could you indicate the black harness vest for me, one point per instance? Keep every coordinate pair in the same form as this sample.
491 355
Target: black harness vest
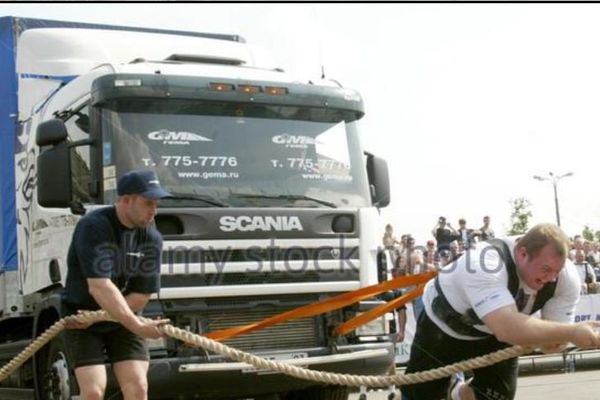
464 323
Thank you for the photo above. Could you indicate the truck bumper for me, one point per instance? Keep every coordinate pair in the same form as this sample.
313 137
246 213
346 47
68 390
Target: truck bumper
180 378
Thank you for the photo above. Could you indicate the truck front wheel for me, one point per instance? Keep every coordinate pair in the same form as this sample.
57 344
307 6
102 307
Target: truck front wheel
57 381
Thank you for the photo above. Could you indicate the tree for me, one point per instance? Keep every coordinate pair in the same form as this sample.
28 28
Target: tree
587 233
519 218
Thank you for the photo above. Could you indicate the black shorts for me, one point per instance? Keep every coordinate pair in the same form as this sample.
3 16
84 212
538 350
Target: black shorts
105 342
432 348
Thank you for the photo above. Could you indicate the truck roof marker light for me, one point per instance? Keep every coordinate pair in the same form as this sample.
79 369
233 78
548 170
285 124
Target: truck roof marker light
128 82
276 91
250 89
221 87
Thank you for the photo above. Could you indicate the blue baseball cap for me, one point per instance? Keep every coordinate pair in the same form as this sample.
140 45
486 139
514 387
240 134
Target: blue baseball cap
142 182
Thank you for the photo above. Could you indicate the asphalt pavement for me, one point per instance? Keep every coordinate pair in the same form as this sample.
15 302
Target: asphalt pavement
582 385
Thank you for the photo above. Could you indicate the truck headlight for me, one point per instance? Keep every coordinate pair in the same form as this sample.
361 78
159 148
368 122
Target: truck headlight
376 327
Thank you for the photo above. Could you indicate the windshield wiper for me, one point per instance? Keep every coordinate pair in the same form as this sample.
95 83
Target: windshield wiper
292 197
198 197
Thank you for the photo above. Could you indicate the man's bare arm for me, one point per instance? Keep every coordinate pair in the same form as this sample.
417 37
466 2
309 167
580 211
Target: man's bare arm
511 326
137 301
109 298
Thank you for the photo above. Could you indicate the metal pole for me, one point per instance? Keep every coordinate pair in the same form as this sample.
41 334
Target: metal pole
554 180
556 203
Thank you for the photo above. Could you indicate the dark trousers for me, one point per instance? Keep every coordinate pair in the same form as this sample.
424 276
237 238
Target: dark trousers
432 348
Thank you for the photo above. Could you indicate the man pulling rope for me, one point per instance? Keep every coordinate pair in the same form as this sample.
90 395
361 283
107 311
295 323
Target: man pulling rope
483 302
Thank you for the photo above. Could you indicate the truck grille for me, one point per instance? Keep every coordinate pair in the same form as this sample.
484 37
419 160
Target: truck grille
288 335
253 278
199 254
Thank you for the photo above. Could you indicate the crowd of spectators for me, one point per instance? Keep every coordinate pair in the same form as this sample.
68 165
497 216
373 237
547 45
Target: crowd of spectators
408 258
585 256
448 243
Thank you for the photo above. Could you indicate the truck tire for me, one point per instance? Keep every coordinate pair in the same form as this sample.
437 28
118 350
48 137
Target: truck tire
56 379
320 393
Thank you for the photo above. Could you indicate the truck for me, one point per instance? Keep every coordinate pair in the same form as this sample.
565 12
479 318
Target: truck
275 203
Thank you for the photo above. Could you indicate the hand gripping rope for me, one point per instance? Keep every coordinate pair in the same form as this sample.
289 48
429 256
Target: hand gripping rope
211 344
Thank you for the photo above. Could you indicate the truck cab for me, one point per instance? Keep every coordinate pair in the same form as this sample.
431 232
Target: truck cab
275 201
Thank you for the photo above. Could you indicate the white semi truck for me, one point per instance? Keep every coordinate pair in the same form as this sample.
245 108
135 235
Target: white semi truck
276 202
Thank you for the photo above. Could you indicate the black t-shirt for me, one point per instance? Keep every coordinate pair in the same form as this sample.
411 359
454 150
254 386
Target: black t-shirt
444 236
102 247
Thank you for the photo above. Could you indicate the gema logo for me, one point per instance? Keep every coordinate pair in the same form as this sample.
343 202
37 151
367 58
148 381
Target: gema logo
294 141
172 137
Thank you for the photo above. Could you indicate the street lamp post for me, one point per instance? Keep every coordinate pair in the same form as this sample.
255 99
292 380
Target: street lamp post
554 180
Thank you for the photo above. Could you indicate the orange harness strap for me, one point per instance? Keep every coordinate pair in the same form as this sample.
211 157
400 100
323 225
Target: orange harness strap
335 303
370 315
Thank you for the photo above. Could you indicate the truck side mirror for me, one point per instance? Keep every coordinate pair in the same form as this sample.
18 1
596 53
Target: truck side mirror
54 177
379 179
51 132
54 165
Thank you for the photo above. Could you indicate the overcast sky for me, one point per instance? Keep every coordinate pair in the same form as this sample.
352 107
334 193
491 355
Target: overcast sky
465 101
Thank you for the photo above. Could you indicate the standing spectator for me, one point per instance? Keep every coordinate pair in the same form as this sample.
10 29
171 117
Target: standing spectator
432 256
408 246
400 249
587 247
593 257
586 273
444 234
486 232
400 328
410 241
416 265
465 234
404 241
455 250
389 240
400 266
587 250
578 242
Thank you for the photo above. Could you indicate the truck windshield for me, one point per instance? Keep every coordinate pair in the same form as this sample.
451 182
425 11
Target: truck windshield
237 155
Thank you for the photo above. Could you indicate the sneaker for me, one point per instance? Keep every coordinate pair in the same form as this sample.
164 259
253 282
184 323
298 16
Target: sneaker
456 380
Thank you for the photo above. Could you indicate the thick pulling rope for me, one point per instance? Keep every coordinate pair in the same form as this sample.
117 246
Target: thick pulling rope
340 379
261 363
309 310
